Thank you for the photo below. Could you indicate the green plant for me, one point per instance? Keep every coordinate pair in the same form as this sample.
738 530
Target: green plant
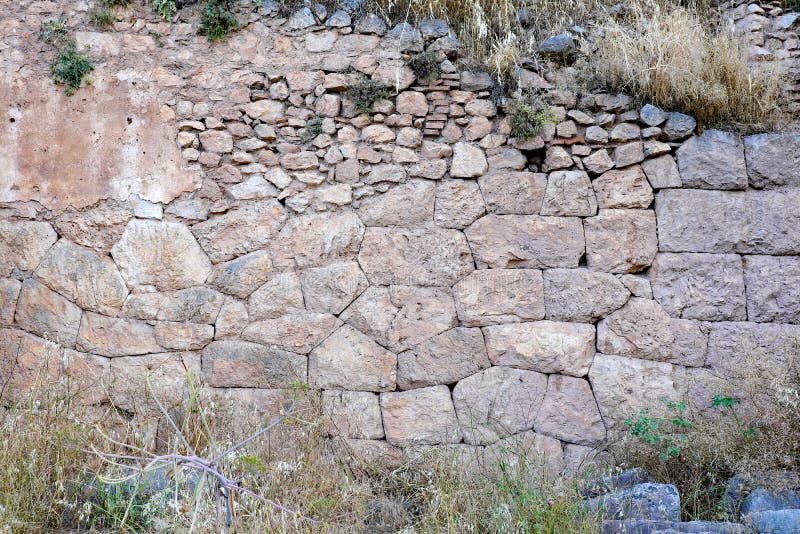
118 506
70 65
426 66
55 32
116 3
529 113
312 129
165 8
365 93
665 434
156 38
217 21
101 16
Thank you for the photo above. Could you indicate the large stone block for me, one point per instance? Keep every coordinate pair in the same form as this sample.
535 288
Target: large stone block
621 241
354 414
47 314
242 276
662 172
513 193
400 317
708 287
623 386
442 359
91 281
569 193
9 291
240 364
526 241
498 402
739 350
23 244
544 346
773 160
348 359
313 240
183 336
623 188
581 295
194 305
109 336
469 161
409 204
713 160
569 412
296 332
493 296
137 379
281 295
420 417
160 254
98 228
425 257
332 288
773 288
458 203
752 222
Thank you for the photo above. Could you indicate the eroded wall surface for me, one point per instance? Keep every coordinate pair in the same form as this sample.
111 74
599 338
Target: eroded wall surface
438 281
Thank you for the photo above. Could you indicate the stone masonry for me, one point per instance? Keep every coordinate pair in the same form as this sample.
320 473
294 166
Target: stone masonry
439 281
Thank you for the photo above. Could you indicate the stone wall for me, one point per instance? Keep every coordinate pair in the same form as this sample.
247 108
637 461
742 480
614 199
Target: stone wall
439 281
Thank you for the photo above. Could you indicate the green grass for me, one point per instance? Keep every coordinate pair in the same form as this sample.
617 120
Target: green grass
217 21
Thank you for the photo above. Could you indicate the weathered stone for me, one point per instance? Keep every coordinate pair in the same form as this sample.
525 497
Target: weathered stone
775 520
599 162
97 228
233 363
409 204
651 115
747 350
9 291
544 346
47 314
569 193
569 412
160 254
596 134
625 131
377 133
240 231
195 305
242 276
628 154
662 172
313 240
371 23
539 452
469 161
557 45
91 281
581 295
458 203
218 141
492 296
108 336
708 287
647 526
623 386
498 402
773 160
136 379
231 320
23 244
761 500
413 103
773 288
332 288
297 333
442 359
354 414
476 81
526 241
607 251
752 222
269 111
713 160
611 483
420 417
679 126
637 284
626 188
655 502
183 336
401 317
426 257
556 157
517 193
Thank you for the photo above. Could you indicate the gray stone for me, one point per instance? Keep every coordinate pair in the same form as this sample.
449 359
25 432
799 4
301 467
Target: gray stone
47 314
662 172
741 485
239 364
659 502
348 359
301 19
434 28
23 244
442 359
761 500
544 346
354 414
651 115
612 483
679 126
9 291
420 417
194 305
708 287
645 526
498 402
713 160
242 276
332 288
607 251
569 412
87 279
296 333
624 188
476 81
557 45
746 350
773 160
773 288
775 521
628 154
599 162
526 241
458 203
752 222
403 37
569 193
371 23
339 19
581 295
426 257
409 204
516 193
112 337
493 296
160 254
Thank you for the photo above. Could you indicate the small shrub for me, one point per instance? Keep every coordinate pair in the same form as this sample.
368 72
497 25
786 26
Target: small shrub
529 113
117 3
217 21
55 32
70 65
312 129
426 66
101 17
366 93
166 9
665 434
156 38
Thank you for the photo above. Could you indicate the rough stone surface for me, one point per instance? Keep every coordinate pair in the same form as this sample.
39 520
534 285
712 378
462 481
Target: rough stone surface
9 292
442 359
469 161
606 252
654 502
350 360
409 204
493 296
713 160
569 412
23 245
240 231
354 414
280 295
332 288
513 193
662 172
773 288
773 160
313 240
626 188
242 276
297 333
458 203
47 314
108 336
581 295
569 193
420 417
230 363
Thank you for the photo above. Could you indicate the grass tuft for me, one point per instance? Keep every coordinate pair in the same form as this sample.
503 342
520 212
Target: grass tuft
366 92
529 113
217 21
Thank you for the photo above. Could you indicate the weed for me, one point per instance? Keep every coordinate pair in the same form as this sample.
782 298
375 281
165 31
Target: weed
55 32
366 93
426 66
166 9
665 434
529 113
217 21
311 130
156 38
116 3
101 16
70 65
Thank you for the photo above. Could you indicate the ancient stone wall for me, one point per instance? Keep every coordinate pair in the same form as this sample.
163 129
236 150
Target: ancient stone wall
439 281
